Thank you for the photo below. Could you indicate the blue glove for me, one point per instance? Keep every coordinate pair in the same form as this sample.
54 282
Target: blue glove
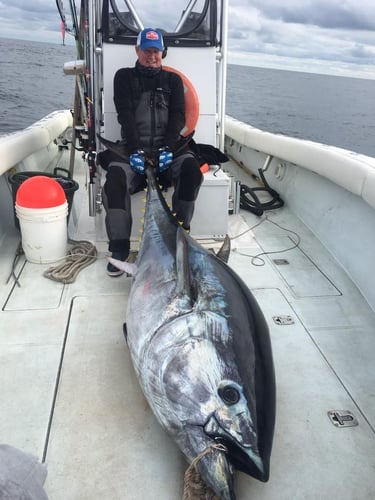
137 162
165 159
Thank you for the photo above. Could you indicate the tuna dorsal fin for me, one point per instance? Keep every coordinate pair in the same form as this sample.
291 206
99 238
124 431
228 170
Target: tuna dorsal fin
223 253
182 264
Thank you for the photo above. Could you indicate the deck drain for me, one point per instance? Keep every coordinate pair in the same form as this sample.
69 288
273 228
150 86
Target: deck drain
342 418
283 320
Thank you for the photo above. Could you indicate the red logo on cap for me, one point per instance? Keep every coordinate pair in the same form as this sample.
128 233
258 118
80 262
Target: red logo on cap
152 35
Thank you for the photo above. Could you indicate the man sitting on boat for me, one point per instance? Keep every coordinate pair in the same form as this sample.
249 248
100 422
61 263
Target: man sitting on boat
150 107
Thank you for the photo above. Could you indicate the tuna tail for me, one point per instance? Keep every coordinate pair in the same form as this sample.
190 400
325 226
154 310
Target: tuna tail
154 192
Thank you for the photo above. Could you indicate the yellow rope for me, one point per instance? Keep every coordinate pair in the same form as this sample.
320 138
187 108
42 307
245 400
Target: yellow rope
194 486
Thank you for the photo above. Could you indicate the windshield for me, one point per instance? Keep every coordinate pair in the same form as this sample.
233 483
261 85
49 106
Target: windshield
183 22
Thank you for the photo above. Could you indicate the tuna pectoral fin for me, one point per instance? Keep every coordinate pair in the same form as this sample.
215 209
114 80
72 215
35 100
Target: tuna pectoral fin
128 267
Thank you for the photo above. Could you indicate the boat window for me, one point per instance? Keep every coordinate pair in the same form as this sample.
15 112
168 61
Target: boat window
183 22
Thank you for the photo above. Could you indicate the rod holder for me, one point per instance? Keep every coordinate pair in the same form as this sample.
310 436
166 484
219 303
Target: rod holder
92 199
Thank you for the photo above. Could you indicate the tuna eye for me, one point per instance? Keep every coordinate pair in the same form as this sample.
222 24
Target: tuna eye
229 394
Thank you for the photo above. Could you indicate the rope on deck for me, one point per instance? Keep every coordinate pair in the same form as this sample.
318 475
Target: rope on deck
194 486
81 254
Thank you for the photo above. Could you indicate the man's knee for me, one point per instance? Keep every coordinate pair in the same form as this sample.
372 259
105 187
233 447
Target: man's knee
190 180
116 177
115 187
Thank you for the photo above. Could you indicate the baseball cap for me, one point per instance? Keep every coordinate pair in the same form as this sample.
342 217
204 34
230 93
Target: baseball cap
150 38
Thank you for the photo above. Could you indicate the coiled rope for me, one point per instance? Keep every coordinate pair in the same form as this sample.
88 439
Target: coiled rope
194 486
81 254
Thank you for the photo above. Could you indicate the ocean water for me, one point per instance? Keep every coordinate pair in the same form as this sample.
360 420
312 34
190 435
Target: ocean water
32 82
329 109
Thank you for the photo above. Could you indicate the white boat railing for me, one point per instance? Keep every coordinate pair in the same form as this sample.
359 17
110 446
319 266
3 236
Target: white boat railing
352 171
40 136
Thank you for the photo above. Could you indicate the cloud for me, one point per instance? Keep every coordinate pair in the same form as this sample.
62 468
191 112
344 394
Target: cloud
343 14
336 36
36 20
334 33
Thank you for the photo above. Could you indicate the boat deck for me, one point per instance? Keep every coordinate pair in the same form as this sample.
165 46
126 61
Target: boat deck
70 396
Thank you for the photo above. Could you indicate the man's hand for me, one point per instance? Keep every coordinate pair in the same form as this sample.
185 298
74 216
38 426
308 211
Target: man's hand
137 162
165 159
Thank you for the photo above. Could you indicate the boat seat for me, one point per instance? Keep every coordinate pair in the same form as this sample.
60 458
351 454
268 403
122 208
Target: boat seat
210 219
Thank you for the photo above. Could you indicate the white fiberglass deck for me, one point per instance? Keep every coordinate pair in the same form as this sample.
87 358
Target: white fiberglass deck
69 393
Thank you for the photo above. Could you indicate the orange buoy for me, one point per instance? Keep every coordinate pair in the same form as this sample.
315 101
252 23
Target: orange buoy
40 191
191 102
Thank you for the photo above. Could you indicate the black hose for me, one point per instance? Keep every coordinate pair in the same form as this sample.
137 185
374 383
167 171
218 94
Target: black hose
249 200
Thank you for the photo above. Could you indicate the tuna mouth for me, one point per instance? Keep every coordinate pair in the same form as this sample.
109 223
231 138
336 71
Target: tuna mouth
243 453
216 471
243 459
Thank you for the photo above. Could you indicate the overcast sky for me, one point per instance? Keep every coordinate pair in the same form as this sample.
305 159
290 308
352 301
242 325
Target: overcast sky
322 36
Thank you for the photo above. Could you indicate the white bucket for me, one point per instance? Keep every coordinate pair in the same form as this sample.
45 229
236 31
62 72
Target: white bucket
44 232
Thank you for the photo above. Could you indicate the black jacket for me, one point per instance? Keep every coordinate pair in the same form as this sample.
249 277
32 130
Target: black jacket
129 84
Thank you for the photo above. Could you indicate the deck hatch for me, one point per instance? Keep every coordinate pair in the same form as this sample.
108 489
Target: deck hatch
35 291
299 271
280 262
283 319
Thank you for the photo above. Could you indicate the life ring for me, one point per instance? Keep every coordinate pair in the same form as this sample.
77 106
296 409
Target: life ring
191 103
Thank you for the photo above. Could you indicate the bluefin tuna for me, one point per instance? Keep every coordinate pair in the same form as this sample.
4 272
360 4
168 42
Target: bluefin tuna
201 350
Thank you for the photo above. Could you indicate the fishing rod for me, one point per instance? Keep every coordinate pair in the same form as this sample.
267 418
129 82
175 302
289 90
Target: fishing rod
73 12
84 109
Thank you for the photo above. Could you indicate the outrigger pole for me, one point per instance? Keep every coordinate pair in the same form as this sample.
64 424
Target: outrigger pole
222 59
